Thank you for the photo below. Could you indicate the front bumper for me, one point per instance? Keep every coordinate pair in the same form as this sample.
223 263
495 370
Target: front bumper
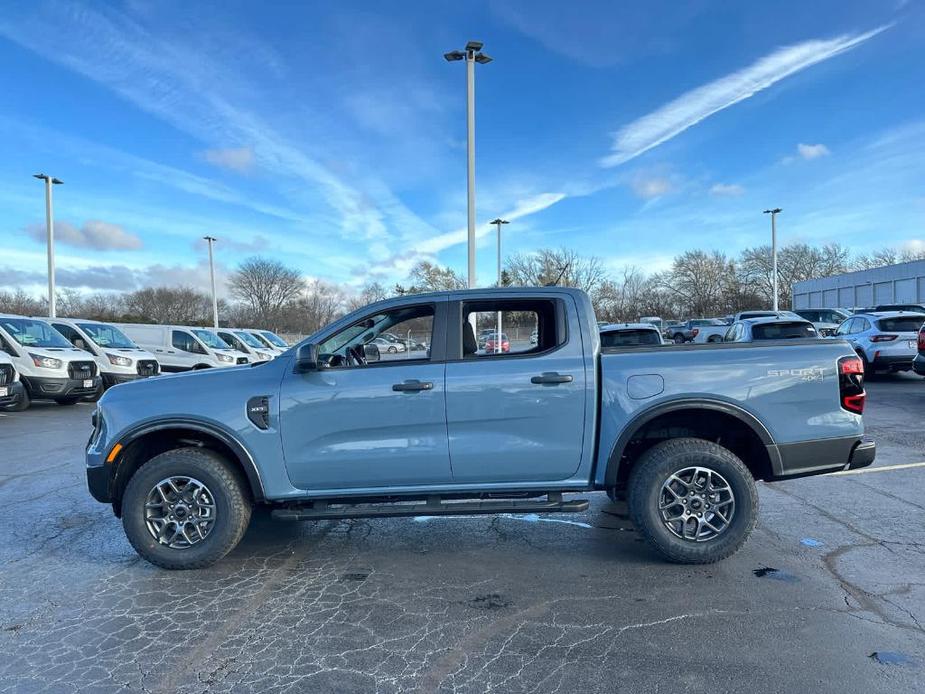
14 393
820 456
54 388
114 379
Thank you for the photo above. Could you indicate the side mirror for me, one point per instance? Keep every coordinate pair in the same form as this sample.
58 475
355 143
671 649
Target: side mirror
307 358
371 352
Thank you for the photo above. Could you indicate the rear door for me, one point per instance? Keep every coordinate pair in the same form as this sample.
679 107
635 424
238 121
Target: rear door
515 416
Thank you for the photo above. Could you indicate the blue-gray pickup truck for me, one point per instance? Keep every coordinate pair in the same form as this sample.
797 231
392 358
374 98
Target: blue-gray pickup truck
334 428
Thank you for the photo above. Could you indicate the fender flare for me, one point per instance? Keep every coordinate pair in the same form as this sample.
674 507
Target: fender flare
643 418
244 458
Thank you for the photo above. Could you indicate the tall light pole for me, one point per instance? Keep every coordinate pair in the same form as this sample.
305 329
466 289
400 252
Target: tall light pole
773 214
471 55
210 240
50 231
498 222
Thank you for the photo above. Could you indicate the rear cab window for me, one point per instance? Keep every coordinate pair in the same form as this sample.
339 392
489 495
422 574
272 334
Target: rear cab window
631 337
782 331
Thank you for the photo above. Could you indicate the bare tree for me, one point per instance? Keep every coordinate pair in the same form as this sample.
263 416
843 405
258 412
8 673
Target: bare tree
563 267
701 282
370 293
429 277
265 286
176 305
319 304
20 303
886 256
795 263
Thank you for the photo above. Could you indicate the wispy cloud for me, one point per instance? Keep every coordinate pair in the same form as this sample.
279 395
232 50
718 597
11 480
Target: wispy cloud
94 234
812 151
649 188
240 159
727 190
694 106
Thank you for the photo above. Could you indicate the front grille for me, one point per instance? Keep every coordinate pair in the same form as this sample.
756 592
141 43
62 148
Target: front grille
147 367
6 374
241 360
79 370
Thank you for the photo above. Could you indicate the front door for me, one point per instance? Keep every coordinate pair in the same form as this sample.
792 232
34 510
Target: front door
380 424
516 401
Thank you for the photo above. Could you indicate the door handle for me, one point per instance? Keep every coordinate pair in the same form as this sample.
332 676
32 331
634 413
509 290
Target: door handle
412 386
551 378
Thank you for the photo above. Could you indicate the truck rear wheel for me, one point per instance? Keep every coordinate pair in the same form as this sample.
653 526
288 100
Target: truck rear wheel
185 509
693 500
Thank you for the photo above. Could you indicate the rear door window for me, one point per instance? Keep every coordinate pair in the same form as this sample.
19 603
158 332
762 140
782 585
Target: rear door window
782 331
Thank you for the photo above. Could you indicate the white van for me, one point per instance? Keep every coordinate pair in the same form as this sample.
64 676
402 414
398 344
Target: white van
243 341
270 339
50 367
118 359
182 348
12 393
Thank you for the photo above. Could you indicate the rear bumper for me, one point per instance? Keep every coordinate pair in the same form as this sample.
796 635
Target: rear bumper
53 388
820 456
899 362
14 394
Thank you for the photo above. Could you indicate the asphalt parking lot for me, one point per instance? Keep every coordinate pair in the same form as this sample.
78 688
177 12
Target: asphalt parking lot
828 595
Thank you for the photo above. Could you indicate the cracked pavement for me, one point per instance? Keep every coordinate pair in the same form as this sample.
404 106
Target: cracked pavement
502 603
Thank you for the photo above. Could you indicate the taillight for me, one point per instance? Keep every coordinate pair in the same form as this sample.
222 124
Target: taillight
922 340
694 332
883 338
851 384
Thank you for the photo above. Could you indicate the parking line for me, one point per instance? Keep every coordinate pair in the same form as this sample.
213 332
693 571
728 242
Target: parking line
882 468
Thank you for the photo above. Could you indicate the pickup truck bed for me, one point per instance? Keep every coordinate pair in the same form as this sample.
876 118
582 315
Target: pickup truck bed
328 430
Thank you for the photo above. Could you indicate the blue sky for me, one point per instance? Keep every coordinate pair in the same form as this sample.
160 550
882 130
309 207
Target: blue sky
332 136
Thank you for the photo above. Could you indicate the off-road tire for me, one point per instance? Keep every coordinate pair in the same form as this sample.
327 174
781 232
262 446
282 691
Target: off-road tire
232 506
656 465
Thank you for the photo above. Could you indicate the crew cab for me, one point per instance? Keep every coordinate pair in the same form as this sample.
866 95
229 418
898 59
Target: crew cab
328 431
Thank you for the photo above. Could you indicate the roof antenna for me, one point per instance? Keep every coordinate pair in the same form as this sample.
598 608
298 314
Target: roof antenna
561 272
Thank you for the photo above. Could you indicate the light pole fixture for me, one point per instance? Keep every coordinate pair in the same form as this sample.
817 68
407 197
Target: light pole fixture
472 55
773 214
210 240
498 222
50 234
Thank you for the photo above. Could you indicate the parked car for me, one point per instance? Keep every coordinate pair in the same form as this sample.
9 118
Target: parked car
885 341
492 344
49 366
319 434
270 339
826 320
713 332
653 320
688 331
761 313
918 362
770 328
630 335
246 343
12 391
117 358
388 346
182 348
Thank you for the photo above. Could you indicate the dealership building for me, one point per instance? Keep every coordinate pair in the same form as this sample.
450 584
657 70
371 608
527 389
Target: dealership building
903 283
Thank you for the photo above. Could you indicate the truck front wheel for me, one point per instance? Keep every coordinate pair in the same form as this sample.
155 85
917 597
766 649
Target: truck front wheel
185 509
693 500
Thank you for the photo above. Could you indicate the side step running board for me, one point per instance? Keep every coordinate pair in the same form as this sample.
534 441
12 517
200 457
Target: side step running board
435 506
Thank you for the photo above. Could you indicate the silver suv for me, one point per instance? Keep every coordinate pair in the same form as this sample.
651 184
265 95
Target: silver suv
885 341
826 320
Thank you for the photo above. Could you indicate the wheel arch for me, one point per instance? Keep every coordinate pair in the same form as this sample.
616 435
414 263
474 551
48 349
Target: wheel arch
149 439
732 427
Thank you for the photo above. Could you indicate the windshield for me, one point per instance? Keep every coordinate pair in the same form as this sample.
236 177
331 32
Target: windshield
782 331
107 336
901 324
211 339
274 339
248 339
630 338
33 333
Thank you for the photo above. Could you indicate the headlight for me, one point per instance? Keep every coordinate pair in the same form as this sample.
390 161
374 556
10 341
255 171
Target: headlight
116 360
226 358
263 356
45 362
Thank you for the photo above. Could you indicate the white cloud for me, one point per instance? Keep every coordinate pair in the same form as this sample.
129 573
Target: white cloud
726 189
94 234
812 151
651 188
240 159
694 106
